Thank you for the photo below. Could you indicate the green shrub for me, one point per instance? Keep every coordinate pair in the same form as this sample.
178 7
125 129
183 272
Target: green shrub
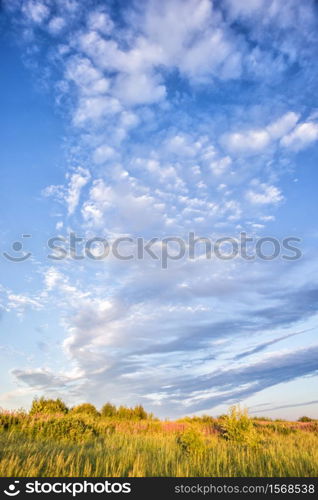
190 441
48 406
238 427
305 419
64 429
8 421
140 413
262 419
137 413
108 410
86 409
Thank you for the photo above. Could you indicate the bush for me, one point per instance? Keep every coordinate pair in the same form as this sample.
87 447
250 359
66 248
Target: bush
238 427
48 406
86 409
8 421
190 441
125 413
305 419
137 413
64 429
108 410
140 413
263 419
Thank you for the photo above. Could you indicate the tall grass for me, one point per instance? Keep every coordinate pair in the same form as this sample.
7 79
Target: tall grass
72 445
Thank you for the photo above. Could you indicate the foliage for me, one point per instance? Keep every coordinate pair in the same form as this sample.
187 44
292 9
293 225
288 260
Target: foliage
48 406
84 445
8 421
124 454
108 410
203 419
66 429
190 441
85 408
238 427
140 413
263 419
305 419
123 412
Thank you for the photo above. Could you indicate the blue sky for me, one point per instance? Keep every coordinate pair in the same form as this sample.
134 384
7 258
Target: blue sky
156 119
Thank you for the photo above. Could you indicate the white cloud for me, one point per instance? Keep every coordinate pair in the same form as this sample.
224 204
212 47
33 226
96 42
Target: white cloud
70 194
303 135
170 177
128 208
220 166
187 35
56 25
191 38
21 302
139 88
77 181
213 56
283 125
94 109
267 218
183 145
88 79
100 21
246 8
103 153
264 194
52 278
129 120
256 140
36 11
250 142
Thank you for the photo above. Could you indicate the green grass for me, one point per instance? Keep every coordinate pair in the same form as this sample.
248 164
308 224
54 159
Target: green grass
59 445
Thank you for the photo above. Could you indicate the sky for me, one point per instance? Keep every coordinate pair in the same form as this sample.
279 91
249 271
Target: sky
125 121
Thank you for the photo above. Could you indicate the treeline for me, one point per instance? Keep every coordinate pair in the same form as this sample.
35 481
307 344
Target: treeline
55 406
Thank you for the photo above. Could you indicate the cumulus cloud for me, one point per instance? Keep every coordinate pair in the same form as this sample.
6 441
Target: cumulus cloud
99 20
264 194
283 125
103 153
257 140
302 136
56 25
251 142
94 109
36 11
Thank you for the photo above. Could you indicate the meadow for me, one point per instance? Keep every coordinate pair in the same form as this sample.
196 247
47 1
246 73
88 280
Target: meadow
52 440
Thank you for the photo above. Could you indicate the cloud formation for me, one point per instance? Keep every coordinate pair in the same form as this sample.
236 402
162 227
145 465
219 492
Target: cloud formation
182 115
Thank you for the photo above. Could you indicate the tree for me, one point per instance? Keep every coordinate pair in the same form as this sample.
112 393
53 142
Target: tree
238 427
87 409
140 413
108 410
125 412
48 406
305 419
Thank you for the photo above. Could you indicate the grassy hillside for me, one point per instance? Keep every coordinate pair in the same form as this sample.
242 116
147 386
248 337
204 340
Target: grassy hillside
76 443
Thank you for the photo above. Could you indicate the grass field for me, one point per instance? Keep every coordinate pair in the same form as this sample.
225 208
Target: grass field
82 445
